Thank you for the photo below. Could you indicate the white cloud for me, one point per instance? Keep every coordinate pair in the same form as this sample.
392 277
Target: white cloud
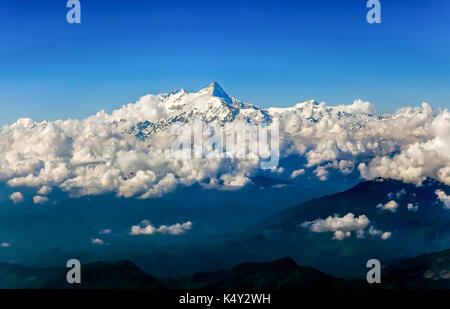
146 228
97 241
297 173
344 166
358 106
129 150
234 182
279 170
5 244
339 235
386 235
413 207
322 173
444 198
16 197
417 159
340 226
40 199
44 190
374 232
377 233
390 206
398 195
105 231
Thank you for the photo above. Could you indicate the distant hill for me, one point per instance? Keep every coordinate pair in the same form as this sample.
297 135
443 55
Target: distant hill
412 231
425 271
430 271
98 275
279 274
363 199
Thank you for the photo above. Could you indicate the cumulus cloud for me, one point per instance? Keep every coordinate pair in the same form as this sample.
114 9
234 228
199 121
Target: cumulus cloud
279 170
5 244
322 173
146 228
413 207
339 235
297 173
398 195
97 241
344 166
428 156
390 206
358 106
44 190
16 197
129 151
105 231
386 235
444 198
342 227
40 199
377 233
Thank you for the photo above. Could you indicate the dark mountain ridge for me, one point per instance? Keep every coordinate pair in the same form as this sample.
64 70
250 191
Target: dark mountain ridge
425 271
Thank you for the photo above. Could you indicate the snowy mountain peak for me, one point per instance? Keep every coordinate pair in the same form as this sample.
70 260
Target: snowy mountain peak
215 90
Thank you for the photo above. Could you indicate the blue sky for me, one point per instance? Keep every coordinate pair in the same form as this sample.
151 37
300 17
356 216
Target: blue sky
269 53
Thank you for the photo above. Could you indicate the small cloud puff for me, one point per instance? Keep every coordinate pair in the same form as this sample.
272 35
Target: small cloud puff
444 198
339 235
146 228
16 197
413 207
96 241
44 190
344 166
279 170
386 235
5 244
398 195
377 233
297 173
105 231
40 199
390 206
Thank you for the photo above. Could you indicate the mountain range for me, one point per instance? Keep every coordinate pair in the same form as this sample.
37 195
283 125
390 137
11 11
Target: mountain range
426 271
411 232
350 185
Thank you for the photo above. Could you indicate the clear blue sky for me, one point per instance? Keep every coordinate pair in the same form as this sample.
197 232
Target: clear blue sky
269 53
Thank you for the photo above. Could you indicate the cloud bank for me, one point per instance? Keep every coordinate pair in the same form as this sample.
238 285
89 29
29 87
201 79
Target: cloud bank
146 228
129 151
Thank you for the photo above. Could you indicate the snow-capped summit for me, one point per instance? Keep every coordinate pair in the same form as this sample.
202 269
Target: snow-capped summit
211 104
215 90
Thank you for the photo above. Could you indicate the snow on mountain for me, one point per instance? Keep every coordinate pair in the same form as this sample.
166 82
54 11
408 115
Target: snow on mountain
129 150
211 104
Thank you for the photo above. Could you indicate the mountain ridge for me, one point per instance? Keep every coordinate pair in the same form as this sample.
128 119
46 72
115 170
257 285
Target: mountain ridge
284 273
